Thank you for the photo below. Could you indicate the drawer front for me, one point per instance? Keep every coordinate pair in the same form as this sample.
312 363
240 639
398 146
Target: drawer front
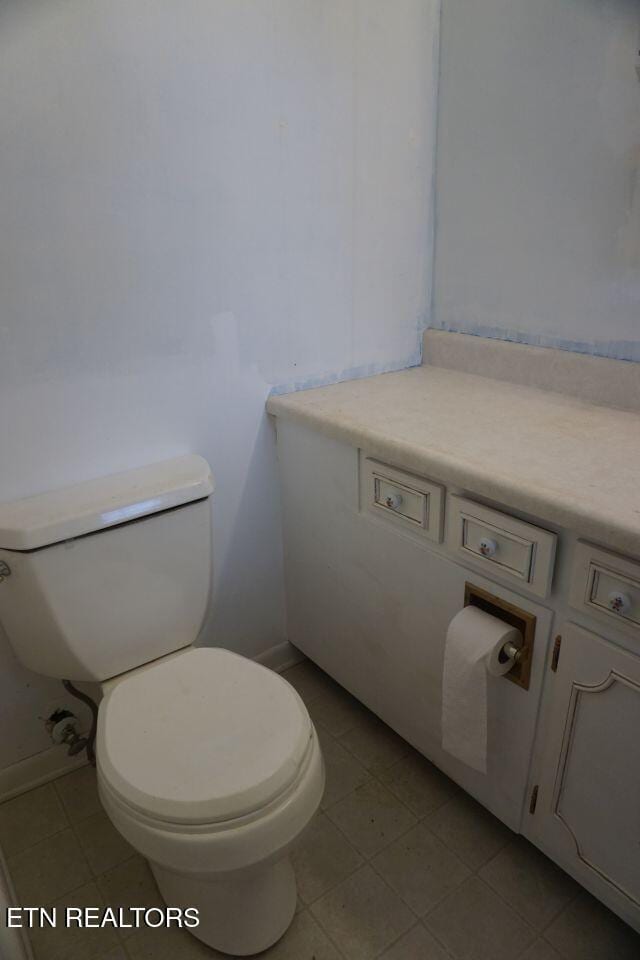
402 500
607 585
513 549
408 502
494 543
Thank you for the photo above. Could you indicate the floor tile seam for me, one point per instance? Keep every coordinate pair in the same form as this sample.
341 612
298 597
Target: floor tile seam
83 819
74 828
325 729
323 724
389 888
85 936
536 932
424 822
361 762
29 790
437 939
336 740
394 892
387 845
468 880
553 947
317 920
330 733
49 836
325 812
419 816
55 784
419 916
307 904
540 930
559 912
397 940
381 783
49 903
307 702
70 893
446 803
475 870
95 874
472 873
307 697
342 832
368 857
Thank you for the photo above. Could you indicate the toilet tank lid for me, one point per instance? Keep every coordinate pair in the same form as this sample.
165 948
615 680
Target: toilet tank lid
106 502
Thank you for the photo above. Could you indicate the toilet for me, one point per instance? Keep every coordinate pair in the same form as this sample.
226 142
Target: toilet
207 762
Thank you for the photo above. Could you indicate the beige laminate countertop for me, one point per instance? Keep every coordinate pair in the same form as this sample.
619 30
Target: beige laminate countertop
556 457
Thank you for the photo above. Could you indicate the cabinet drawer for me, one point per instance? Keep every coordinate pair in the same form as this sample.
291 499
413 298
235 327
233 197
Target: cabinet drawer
608 585
402 500
494 540
407 501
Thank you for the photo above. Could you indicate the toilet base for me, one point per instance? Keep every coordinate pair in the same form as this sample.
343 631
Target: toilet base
241 913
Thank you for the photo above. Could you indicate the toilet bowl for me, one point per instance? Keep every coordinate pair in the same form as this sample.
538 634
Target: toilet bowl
207 762
209 765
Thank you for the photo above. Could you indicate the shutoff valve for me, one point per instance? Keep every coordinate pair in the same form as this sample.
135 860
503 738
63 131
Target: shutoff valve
63 728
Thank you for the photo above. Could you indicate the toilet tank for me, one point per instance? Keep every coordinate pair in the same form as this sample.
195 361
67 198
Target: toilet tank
104 576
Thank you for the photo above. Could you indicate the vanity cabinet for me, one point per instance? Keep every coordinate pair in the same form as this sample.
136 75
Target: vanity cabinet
379 559
587 790
370 596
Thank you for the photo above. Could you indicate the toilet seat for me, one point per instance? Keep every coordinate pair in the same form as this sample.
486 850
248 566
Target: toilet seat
225 846
201 738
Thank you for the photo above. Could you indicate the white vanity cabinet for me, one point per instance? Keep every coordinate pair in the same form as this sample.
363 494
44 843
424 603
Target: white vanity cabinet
406 496
379 559
587 768
371 593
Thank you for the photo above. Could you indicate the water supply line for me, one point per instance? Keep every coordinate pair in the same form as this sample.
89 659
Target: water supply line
93 706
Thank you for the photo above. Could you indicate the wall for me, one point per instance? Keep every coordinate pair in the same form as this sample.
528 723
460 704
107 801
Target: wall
201 202
538 173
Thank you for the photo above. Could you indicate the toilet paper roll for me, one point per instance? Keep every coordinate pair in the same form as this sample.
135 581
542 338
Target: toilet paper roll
472 649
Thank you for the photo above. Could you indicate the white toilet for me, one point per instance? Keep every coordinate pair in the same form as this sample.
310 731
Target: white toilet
207 762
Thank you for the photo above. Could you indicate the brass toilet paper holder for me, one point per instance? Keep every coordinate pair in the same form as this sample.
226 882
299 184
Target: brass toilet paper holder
524 621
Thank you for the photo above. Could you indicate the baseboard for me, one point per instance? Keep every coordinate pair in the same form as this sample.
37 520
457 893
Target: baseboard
36 770
280 657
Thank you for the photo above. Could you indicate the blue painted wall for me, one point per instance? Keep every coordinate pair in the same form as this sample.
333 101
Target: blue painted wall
538 174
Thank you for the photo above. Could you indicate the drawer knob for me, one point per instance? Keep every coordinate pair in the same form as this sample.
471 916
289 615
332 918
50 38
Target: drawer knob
619 602
488 547
393 501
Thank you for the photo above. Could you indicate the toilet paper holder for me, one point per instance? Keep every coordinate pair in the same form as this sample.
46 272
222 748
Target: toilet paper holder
512 652
524 621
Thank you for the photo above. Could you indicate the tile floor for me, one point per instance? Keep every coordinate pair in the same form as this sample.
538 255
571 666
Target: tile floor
399 865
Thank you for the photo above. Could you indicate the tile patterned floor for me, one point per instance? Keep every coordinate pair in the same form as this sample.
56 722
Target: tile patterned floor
399 865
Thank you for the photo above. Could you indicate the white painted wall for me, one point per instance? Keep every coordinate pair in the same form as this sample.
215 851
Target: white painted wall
200 201
538 173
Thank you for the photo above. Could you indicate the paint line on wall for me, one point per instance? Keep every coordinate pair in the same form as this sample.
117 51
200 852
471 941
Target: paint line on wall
433 195
613 349
352 373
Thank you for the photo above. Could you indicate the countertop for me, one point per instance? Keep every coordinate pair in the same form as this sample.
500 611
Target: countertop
558 458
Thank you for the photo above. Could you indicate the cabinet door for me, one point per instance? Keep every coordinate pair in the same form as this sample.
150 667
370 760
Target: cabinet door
587 815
